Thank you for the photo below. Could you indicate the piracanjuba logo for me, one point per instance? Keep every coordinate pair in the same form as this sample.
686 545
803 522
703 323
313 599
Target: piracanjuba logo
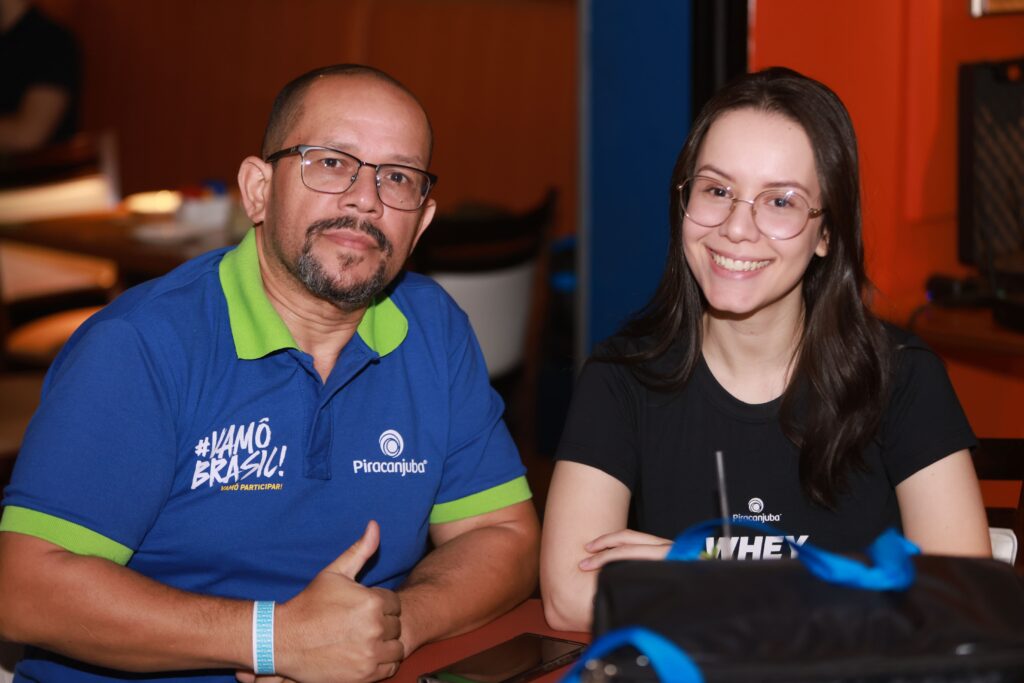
391 443
391 446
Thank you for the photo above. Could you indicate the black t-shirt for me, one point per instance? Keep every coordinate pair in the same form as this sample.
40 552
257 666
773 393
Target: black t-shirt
662 446
36 51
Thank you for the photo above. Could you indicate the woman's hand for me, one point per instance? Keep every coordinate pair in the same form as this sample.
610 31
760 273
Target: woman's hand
624 545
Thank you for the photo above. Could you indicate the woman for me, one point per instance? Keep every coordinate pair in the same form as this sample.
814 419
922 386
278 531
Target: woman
758 343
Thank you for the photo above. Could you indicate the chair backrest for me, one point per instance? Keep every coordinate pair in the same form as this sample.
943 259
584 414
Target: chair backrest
10 653
1003 460
494 264
69 178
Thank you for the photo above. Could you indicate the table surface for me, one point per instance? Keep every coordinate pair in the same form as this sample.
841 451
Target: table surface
528 617
112 235
968 330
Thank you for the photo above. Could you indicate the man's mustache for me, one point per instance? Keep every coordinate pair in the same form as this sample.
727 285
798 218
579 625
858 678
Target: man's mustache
351 223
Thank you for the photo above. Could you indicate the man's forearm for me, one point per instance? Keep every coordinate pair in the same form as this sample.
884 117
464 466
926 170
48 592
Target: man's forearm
100 612
468 581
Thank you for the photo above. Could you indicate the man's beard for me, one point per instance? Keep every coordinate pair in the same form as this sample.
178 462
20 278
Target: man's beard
324 285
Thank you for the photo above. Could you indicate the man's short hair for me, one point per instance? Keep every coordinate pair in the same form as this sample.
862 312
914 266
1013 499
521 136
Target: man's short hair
288 103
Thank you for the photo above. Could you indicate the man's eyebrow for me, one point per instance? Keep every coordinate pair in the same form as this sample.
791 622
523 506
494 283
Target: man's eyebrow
414 162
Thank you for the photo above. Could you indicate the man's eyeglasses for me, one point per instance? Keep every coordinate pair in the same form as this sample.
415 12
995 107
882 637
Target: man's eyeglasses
779 214
332 171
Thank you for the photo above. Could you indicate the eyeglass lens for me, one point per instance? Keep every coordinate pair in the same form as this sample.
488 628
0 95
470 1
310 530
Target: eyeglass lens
778 213
399 187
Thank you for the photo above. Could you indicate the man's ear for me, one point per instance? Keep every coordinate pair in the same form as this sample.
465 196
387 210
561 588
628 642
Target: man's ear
428 215
254 184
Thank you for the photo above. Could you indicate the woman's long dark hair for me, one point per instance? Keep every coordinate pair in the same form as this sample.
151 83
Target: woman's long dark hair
842 363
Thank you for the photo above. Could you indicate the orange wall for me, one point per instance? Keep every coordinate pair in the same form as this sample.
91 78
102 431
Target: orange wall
894 63
187 84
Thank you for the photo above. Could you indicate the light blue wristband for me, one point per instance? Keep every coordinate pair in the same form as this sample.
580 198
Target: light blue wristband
263 637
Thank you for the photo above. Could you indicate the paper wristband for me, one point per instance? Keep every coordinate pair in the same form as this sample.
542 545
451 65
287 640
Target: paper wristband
263 637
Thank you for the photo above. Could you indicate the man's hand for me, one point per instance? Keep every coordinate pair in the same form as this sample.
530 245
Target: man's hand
480 567
336 629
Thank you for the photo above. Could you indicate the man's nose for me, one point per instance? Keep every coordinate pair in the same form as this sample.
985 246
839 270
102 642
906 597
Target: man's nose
362 194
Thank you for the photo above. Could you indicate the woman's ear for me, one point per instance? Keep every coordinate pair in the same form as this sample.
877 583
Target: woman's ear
822 248
254 184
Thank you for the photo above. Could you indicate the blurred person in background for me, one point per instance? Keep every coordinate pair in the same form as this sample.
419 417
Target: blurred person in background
39 79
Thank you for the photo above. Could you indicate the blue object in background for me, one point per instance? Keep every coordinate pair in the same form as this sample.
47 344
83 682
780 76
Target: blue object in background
635 114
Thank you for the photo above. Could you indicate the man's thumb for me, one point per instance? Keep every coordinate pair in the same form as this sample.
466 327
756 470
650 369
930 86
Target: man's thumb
352 560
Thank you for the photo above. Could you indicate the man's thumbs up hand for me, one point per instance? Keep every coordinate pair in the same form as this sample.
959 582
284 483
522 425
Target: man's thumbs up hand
337 629
351 562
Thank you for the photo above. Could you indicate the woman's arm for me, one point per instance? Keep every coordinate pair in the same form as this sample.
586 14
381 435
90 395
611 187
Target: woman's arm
942 510
583 503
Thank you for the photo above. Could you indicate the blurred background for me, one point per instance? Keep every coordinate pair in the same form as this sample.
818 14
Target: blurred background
560 118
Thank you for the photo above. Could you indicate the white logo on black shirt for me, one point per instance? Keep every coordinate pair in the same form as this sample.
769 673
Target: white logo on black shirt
753 547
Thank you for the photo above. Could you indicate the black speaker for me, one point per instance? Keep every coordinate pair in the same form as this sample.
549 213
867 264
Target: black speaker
991 180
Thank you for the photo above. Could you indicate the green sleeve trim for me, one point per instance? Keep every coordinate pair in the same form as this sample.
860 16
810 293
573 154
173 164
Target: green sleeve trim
489 500
68 535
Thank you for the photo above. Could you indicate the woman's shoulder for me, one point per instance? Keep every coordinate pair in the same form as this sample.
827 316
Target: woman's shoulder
900 338
647 364
914 365
904 345
643 356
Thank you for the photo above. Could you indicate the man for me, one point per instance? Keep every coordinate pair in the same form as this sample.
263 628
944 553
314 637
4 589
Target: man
217 436
39 82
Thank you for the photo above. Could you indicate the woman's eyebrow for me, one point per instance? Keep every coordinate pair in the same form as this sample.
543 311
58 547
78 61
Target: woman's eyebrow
714 169
772 185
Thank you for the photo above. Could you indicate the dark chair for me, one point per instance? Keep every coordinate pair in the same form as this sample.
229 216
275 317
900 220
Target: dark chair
1003 460
495 264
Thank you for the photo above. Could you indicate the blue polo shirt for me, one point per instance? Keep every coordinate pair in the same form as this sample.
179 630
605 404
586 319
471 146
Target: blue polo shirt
184 434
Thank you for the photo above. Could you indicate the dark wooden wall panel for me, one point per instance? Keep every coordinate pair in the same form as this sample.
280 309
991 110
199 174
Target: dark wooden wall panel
187 84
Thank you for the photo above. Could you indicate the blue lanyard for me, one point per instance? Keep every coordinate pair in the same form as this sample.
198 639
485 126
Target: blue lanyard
668 661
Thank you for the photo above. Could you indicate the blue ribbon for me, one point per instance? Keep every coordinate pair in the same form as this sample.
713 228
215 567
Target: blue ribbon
890 553
668 661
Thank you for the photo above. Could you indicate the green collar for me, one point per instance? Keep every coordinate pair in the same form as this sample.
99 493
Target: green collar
257 328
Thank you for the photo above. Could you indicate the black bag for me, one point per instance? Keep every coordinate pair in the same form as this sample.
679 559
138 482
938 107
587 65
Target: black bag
772 621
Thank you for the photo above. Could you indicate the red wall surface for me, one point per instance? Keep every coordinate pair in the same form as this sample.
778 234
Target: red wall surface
894 63
895 66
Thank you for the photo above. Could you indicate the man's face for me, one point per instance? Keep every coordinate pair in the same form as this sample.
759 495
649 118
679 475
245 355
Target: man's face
345 248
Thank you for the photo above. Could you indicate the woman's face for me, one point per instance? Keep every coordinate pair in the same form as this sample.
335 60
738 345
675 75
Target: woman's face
742 272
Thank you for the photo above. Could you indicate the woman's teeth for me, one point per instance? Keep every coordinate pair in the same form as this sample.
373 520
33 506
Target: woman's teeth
733 264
